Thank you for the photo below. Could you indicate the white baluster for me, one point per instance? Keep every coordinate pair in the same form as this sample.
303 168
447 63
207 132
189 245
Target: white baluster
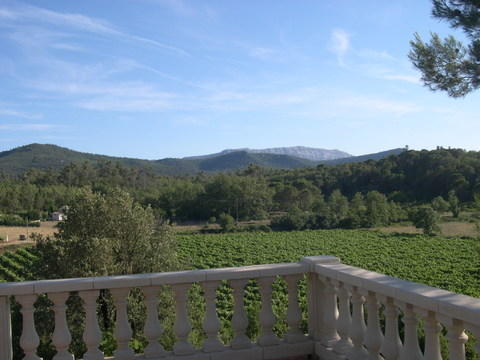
314 291
357 331
411 349
267 318
29 340
61 336
240 319
5 329
344 321
476 332
432 342
123 332
211 324
153 330
330 315
456 340
294 316
92 334
182 324
373 335
392 345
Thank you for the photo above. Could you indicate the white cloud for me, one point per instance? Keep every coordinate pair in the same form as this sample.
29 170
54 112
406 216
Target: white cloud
66 46
403 77
8 111
340 44
26 127
375 54
263 53
79 22
110 96
377 104
178 6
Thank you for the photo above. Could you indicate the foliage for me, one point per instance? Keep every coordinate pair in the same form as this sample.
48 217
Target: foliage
454 204
411 177
293 220
16 220
113 234
226 222
453 264
425 218
439 204
447 64
102 235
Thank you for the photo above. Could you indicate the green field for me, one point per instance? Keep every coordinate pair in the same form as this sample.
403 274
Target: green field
449 263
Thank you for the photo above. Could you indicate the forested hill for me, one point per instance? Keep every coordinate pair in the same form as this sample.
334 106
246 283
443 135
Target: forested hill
43 157
408 179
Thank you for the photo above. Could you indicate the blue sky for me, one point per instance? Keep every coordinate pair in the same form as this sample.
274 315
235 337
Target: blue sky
173 78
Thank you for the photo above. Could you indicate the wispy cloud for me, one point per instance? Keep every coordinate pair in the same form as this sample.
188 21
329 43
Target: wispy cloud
340 44
375 63
7 110
79 22
263 53
110 96
378 104
26 127
179 7
403 77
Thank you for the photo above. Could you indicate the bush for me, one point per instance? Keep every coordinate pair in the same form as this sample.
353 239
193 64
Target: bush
440 205
257 228
16 220
294 220
226 222
425 218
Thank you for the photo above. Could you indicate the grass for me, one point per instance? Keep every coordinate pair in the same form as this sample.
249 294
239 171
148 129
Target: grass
14 232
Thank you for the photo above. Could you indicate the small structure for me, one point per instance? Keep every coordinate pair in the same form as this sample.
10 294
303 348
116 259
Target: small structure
57 216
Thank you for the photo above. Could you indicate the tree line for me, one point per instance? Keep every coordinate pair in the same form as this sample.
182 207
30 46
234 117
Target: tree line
363 194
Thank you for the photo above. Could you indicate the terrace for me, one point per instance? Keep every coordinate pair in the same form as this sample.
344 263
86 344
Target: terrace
352 314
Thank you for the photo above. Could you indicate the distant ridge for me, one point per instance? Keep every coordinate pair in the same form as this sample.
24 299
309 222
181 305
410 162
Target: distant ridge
46 156
374 156
303 152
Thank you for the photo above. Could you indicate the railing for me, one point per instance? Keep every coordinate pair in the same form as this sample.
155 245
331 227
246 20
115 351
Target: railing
337 295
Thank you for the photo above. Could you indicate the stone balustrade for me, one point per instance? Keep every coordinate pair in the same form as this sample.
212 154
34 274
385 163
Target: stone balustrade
352 314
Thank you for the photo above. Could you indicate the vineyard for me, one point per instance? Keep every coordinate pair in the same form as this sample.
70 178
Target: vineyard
449 263
17 265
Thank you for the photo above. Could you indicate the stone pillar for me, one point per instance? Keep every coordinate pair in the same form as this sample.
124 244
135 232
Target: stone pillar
5 329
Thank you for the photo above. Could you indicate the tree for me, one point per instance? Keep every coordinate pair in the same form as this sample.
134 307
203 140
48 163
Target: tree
226 222
102 235
377 209
106 235
454 204
447 64
425 218
440 205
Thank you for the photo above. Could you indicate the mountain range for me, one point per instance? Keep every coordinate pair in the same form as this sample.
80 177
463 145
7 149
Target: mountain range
302 152
46 156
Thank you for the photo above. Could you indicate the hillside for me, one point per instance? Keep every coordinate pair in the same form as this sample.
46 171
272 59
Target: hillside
45 156
374 156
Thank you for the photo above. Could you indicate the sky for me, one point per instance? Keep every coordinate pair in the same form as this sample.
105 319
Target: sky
171 78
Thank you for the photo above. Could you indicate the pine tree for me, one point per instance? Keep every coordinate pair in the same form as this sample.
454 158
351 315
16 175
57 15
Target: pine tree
447 64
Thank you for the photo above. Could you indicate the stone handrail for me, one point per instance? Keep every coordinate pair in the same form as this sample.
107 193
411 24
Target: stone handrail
337 294
344 333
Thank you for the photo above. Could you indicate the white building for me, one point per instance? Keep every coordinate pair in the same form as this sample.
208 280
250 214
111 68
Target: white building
57 216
